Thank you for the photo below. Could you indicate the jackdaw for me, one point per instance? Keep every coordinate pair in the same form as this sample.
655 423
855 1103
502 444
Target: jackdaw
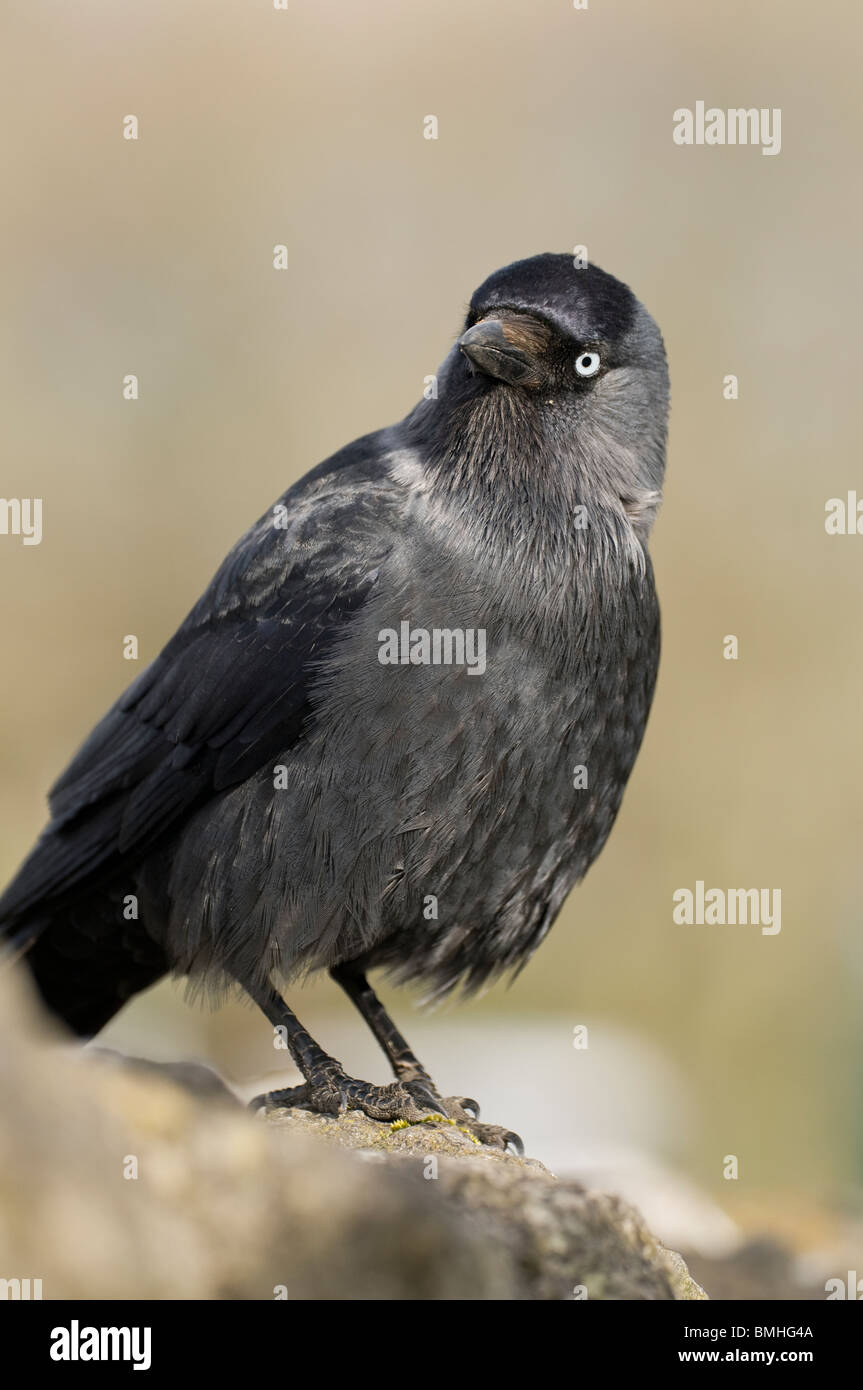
396 729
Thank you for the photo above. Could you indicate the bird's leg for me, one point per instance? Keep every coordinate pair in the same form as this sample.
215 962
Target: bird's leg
328 1089
407 1068
397 1049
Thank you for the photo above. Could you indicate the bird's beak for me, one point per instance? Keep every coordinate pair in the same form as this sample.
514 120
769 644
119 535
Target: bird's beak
507 349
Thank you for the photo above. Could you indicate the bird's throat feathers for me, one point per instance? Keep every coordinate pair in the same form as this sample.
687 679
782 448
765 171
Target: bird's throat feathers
526 491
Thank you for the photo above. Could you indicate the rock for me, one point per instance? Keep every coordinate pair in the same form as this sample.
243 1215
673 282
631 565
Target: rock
566 1241
200 1080
139 1182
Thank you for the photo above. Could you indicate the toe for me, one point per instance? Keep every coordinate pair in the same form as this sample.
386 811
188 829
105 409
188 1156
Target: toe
407 1104
469 1107
498 1138
514 1141
285 1098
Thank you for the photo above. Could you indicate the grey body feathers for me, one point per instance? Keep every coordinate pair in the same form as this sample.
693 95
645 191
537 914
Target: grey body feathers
401 782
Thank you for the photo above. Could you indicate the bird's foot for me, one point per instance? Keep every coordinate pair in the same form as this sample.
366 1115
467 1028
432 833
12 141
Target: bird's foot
464 1113
411 1100
330 1091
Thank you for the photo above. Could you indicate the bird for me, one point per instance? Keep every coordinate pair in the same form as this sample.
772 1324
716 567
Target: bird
318 772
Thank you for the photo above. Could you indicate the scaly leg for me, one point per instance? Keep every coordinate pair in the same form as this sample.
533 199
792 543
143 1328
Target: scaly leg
407 1069
328 1089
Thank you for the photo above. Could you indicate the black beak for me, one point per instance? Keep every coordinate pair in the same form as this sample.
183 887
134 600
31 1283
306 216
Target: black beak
505 350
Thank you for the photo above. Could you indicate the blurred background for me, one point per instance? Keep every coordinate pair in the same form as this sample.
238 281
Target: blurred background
155 257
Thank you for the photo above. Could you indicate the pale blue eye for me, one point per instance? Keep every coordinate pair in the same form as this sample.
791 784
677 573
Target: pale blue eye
587 363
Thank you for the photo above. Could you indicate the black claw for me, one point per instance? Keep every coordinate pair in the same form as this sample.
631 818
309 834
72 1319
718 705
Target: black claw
513 1141
471 1106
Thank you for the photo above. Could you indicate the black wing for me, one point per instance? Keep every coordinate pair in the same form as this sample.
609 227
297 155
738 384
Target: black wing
229 691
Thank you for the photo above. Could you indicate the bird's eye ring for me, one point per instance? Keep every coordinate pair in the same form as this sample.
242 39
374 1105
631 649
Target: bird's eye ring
587 363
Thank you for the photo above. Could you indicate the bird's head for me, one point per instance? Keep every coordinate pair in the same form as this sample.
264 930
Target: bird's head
551 327
559 375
